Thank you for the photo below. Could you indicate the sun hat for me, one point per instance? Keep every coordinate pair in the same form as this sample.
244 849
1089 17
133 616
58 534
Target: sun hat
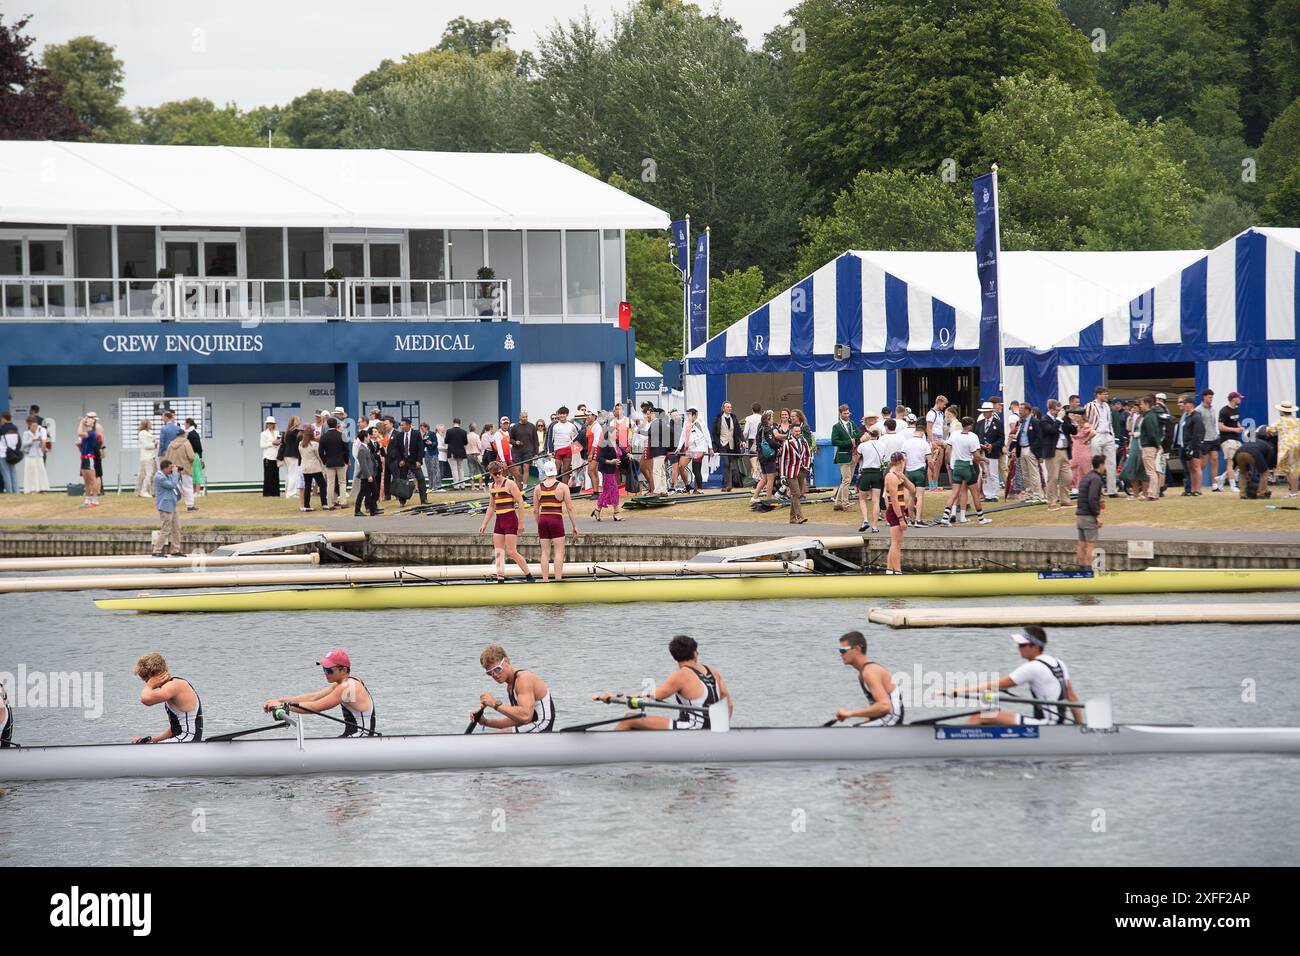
1286 408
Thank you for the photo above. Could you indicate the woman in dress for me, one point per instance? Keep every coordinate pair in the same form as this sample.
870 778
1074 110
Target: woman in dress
1287 430
505 504
148 443
608 457
765 444
35 478
1081 449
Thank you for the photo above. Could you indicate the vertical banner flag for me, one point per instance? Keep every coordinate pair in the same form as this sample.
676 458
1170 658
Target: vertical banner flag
987 245
682 245
700 292
625 315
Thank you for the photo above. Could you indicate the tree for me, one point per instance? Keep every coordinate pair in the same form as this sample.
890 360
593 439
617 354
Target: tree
899 83
31 99
1220 216
654 290
674 101
1163 60
733 295
474 37
91 77
1283 205
456 102
197 122
1279 149
1077 175
889 210
319 119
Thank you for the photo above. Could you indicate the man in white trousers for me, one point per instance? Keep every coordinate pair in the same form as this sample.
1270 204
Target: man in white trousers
1103 438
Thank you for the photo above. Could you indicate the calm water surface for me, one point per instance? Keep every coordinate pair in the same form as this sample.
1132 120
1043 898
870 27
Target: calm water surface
780 662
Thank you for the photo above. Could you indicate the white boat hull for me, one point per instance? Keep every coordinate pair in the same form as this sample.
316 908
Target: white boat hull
498 751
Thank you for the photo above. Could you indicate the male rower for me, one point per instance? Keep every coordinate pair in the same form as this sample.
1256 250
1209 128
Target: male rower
345 690
178 697
884 699
691 685
6 720
530 710
1046 676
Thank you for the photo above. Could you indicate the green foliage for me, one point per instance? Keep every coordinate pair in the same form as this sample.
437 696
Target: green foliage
890 210
899 83
462 103
1220 216
654 290
319 119
31 98
1283 205
1076 175
1280 149
733 295
1163 60
197 122
91 76
474 37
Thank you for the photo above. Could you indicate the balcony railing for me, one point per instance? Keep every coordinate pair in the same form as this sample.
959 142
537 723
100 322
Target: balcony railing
183 298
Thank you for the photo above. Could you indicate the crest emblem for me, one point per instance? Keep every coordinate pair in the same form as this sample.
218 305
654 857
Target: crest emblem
510 342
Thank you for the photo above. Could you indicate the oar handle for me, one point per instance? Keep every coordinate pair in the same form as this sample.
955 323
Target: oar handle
639 703
478 715
1013 699
362 731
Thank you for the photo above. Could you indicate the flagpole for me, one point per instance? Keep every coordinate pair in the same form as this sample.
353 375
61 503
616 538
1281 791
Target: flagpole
708 254
997 240
686 298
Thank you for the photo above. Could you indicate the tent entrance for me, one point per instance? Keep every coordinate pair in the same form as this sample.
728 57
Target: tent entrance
774 390
918 388
1134 381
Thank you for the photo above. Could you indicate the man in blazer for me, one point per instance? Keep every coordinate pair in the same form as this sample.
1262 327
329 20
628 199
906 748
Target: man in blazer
727 441
365 481
1053 432
844 438
1189 442
1025 449
406 456
334 457
993 436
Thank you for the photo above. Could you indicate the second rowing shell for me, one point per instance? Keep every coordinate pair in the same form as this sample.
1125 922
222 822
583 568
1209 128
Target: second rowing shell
697 588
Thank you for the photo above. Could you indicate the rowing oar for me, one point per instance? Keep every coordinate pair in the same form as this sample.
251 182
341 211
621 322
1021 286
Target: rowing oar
473 721
639 703
1011 698
254 730
365 731
935 720
600 723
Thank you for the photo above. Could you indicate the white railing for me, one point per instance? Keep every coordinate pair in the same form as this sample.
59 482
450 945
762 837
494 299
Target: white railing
185 298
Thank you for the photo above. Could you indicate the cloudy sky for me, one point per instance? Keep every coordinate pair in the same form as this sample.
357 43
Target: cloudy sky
267 52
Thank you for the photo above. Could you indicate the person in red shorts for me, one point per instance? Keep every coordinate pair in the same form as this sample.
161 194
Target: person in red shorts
504 504
551 499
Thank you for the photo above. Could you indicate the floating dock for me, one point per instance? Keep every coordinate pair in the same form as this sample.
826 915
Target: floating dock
1070 615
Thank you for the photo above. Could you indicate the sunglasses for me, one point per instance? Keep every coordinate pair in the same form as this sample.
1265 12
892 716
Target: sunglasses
843 650
331 670
494 671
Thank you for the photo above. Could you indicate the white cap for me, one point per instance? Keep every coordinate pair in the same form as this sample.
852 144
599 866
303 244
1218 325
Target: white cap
548 469
270 420
1161 395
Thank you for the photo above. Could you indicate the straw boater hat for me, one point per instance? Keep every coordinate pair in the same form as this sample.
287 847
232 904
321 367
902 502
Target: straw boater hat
987 407
1286 408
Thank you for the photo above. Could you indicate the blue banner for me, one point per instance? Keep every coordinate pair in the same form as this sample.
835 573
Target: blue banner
682 245
700 292
986 266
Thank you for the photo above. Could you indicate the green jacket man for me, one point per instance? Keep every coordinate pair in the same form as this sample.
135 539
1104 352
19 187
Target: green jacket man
844 439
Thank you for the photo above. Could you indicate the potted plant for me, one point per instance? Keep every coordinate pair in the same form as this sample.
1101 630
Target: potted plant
333 272
487 304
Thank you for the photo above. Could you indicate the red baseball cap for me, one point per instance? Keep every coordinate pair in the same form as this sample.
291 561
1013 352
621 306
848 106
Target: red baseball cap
336 658
1232 395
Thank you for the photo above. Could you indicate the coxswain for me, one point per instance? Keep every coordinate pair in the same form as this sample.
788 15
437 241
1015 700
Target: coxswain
1046 676
691 685
504 504
345 690
178 697
551 499
530 710
884 699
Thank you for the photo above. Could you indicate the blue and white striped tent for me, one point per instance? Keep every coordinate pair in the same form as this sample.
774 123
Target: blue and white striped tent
899 310
1230 311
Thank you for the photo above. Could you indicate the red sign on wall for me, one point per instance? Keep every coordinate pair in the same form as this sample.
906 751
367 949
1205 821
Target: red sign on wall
625 315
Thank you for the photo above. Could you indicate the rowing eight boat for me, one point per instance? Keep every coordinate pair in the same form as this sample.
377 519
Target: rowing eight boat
359 755
701 587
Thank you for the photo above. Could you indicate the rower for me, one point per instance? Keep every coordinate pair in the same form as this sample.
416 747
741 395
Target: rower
178 697
691 685
884 699
6 720
1046 676
345 690
530 710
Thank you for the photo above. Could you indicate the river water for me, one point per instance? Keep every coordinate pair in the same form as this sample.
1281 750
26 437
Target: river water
780 661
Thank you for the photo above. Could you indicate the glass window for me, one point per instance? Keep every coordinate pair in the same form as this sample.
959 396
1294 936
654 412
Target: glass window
426 254
306 254
544 272
613 249
582 261
11 257
93 259
349 259
45 257
506 257
385 260
264 249
466 253
136 254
